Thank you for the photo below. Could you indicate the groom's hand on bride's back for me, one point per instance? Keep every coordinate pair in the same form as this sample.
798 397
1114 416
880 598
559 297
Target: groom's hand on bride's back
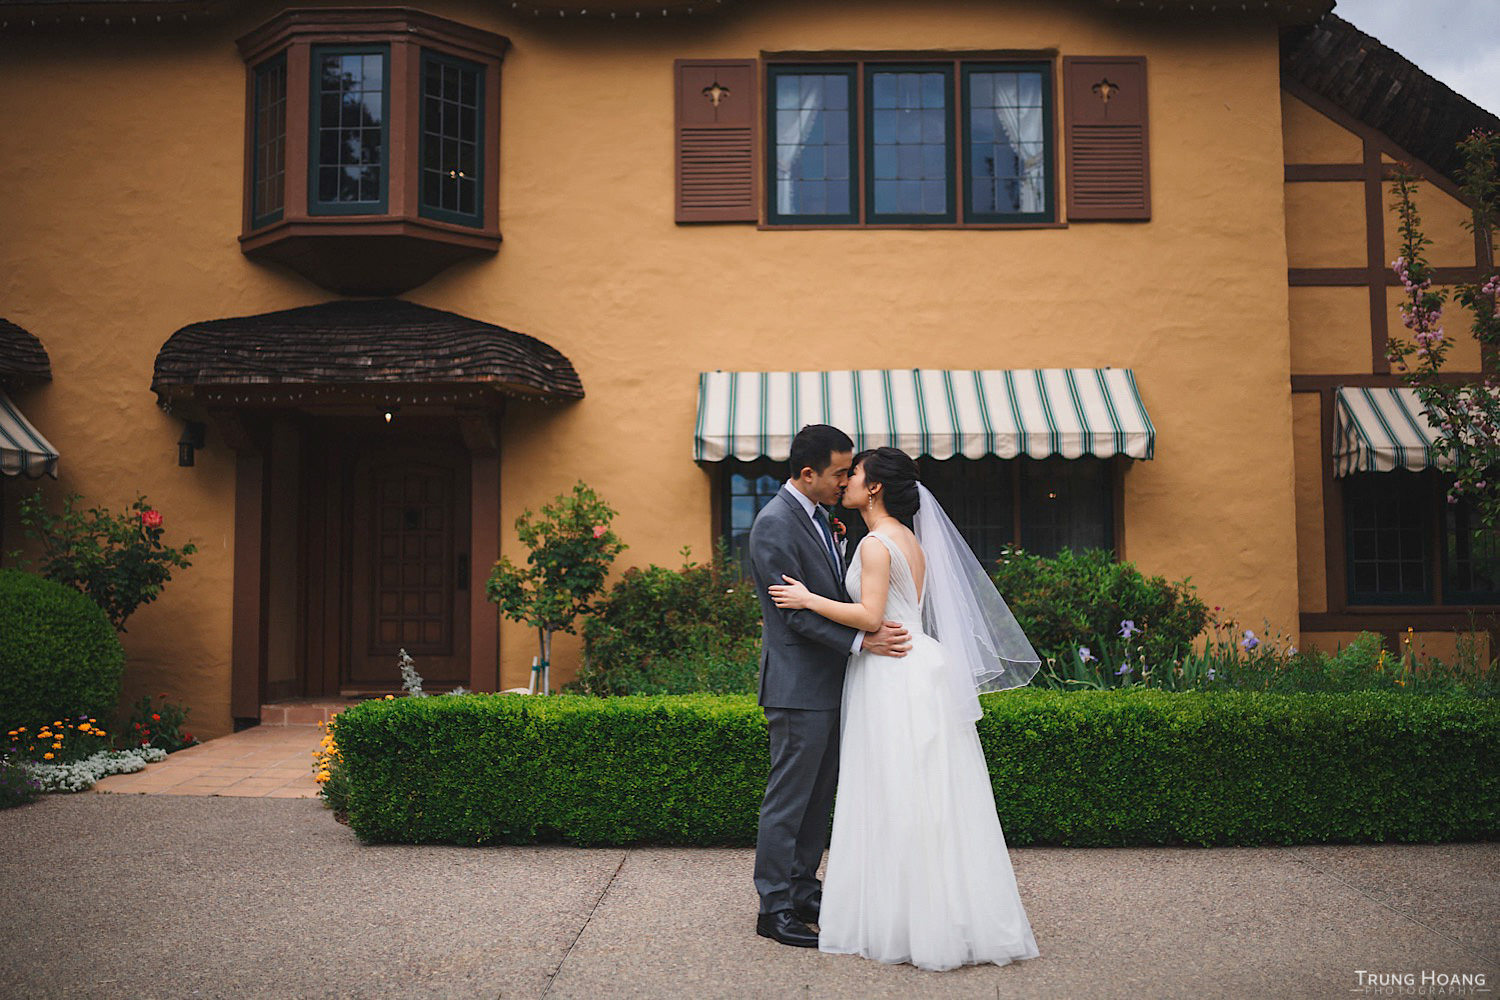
890 639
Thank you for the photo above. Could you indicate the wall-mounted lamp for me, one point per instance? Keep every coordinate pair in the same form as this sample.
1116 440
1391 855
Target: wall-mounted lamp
192 438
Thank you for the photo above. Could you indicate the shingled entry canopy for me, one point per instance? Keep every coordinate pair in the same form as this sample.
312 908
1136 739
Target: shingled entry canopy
366 438
380 349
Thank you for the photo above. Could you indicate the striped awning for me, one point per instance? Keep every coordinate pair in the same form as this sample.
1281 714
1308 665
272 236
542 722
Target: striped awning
935 412
1379 429
23 450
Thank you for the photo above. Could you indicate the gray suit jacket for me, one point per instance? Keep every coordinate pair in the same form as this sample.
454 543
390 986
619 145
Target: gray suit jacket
802 654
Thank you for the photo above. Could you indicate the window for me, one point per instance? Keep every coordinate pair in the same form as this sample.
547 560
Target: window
400 110
1392 521
452 157
269 182
350 141
1049 504
908 158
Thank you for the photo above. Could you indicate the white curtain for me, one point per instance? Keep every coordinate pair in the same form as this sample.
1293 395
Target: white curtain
1008 120
792 130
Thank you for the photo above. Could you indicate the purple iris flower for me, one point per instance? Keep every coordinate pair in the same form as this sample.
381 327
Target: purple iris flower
1127 628
1125 668
1249 642
1085 655
1210 673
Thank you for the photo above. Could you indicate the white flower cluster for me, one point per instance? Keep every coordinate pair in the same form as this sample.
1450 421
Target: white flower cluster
412 681
80 776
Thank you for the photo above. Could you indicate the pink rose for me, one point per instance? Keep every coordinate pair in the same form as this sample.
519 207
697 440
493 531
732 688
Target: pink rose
599 530
151 518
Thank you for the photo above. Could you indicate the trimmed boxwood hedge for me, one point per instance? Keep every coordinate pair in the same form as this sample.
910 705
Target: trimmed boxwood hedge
59 655
1124 767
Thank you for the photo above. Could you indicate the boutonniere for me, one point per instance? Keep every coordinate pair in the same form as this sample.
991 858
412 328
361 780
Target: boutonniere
840 533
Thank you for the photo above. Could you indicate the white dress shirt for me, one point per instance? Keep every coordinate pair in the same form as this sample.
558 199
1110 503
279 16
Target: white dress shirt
810 507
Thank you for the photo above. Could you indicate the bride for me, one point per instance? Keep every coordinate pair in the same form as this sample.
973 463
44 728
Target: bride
917 865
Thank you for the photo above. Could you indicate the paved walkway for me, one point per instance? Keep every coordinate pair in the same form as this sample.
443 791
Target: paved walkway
265 761
187 892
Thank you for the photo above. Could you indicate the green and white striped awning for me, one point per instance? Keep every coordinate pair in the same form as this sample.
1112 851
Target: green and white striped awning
935 412
23 450
1379 429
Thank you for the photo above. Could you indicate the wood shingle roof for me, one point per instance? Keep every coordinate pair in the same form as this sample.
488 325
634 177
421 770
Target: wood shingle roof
1382 88
354 342
23 359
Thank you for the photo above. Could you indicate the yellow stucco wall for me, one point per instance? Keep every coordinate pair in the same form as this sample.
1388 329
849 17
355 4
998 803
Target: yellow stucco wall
107 253
1331 329
1312 570
1309 136
1325 224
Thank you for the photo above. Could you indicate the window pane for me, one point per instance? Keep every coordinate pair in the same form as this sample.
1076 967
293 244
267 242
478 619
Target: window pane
747 487
351 128
1006 154
909 143
1472 558
451 125
812 144
1066 503
976 495
1385 516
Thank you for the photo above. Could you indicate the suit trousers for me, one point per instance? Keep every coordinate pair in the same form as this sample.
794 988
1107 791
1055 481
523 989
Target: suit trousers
795 814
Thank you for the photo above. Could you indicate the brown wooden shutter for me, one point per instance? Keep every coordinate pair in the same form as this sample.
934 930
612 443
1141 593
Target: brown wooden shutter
716 119
1104 100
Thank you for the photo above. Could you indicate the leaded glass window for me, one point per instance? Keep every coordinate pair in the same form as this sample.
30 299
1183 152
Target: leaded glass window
1050 504
1471 557
910 170
452 137
1387 522
349 130
748 486
812 122
1006 167
269 181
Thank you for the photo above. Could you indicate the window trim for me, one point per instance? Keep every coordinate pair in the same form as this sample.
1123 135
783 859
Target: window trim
315 205
814 61
473 219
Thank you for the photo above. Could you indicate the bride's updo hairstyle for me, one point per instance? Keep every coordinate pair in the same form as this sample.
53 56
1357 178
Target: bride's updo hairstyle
896 471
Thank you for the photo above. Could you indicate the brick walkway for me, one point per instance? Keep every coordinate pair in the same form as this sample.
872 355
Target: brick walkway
272 760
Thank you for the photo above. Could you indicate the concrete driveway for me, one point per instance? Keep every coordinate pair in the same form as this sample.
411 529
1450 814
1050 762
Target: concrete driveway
201 895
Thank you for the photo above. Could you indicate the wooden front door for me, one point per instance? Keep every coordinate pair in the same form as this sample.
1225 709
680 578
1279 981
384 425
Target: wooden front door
409 586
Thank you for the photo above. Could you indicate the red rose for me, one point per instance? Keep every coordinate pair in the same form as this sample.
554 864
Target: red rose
151 518
599 530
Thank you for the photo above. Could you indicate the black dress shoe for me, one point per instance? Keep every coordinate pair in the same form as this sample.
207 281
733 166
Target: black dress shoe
808 911
784 926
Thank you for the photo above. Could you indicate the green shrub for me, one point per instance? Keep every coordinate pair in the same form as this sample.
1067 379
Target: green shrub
116 559
1080 599
662 631
59 655
1096 768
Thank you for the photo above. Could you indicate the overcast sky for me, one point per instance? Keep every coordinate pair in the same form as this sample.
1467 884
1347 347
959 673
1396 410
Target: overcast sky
1457 41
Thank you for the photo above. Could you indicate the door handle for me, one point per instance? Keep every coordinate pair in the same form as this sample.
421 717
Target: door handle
463 571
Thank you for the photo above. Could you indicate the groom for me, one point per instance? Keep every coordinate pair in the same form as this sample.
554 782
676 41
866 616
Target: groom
802 660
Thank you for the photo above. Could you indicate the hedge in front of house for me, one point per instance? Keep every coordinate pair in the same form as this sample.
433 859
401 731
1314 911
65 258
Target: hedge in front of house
1123 767
59 654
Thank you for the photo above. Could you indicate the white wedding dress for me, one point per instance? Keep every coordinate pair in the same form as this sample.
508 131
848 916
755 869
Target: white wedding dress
917 867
